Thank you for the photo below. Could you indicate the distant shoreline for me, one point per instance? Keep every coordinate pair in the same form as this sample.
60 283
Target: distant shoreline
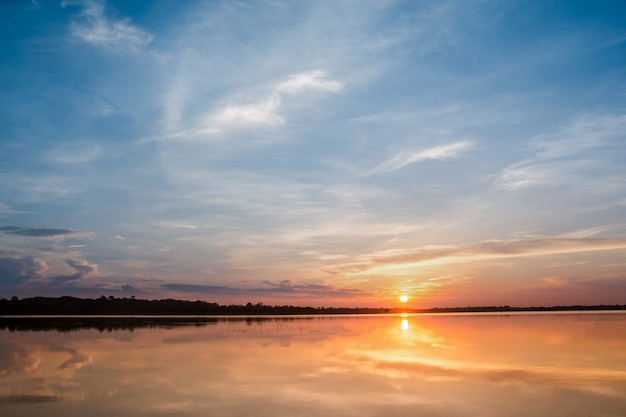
121 322
111 306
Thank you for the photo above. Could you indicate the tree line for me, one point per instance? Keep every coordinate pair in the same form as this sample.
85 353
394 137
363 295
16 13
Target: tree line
131 306
73 306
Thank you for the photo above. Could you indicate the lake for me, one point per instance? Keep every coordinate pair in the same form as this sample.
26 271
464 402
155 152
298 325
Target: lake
517 364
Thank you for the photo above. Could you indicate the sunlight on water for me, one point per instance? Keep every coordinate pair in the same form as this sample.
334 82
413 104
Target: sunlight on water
404 324
452 365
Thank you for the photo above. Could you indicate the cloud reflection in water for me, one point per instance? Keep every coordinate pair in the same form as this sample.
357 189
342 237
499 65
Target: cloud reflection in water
514 365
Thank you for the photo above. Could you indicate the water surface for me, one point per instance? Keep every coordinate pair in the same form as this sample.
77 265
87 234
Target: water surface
545 364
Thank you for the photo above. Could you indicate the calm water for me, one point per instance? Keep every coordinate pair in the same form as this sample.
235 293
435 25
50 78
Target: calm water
437 365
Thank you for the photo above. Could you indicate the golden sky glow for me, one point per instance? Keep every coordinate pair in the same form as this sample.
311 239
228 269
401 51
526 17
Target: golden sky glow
329 153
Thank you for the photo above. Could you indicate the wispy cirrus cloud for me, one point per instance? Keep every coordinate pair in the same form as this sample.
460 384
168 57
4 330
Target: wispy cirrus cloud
485 250
528 174
312 80
94 27
441 152
279 288
567 155
263 112
585 132
42 232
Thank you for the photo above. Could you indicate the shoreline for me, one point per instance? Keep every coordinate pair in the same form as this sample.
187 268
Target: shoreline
118 307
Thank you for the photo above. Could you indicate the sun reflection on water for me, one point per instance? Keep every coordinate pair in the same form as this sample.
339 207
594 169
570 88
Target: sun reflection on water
404 324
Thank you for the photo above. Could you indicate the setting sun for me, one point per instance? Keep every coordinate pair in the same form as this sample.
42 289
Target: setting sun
404 298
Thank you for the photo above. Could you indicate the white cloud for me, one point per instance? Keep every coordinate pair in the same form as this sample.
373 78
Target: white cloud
260 113
586 132
580 234
94 27
383 117
264 112
175 225
567 154
312 80
516 177
441 152
83 267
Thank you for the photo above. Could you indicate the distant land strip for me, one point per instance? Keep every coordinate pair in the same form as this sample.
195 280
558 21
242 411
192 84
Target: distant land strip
73 306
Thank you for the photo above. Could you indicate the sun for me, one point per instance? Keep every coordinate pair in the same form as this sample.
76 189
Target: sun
404 298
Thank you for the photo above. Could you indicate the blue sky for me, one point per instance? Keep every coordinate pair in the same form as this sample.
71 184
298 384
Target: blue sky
318 153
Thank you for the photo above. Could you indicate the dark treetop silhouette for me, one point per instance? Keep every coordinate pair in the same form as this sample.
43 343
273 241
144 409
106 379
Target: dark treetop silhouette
131 306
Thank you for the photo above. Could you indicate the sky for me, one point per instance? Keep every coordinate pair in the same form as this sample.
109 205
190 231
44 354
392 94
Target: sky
323 153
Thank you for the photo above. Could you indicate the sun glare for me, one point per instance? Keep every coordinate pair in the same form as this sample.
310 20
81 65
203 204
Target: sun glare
404 298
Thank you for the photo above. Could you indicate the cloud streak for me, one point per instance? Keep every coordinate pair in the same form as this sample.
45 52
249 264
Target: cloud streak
280 288
42 232
94 27
567 154
261 113
492 249
313 80
265 112
441 152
